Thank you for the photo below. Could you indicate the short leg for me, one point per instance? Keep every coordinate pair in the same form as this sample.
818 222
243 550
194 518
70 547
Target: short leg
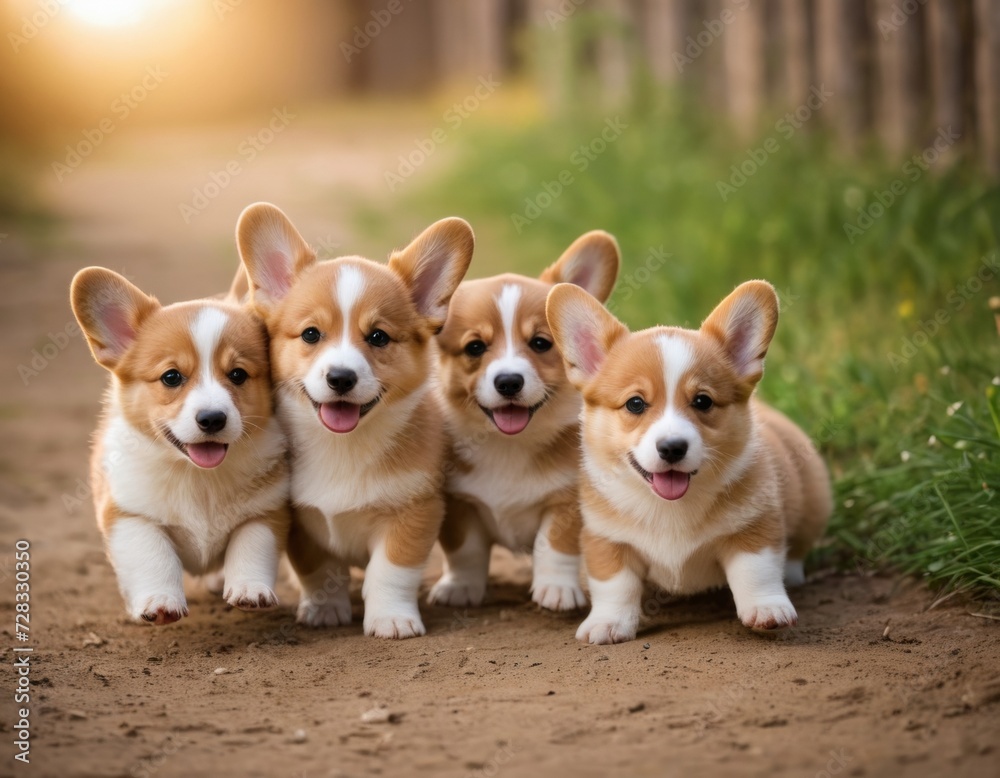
795 574
755 579
467 558
150 574
555 580
324 581
396 568
615 589
251 567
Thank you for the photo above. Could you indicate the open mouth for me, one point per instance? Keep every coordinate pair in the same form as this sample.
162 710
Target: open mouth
670 484
511 419
205 455
343 416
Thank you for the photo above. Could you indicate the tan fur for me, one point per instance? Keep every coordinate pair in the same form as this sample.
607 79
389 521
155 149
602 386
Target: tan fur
778 498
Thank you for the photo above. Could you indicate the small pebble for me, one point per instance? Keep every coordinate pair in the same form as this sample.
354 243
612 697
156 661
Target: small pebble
221 671
645 645
299 736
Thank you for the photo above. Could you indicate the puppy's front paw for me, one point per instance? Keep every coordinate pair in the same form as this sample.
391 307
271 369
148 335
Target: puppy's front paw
558 596
602 632
332 612
769 613
251 596
395 626
456 593
160 609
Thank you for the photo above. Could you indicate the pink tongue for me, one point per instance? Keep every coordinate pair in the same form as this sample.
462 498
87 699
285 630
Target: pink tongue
340 417
671 485
511 419
207 455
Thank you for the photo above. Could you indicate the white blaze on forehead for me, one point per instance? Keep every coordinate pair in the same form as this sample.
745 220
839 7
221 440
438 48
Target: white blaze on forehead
350 287
507 302
677 360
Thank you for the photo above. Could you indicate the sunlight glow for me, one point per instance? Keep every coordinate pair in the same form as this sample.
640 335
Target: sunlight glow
112 13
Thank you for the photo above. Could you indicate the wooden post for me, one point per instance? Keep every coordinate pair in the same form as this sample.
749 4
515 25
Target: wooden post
898 95
948 83
469 36
839 70
743 58
662 31
987 25
797 72
551 50
613 66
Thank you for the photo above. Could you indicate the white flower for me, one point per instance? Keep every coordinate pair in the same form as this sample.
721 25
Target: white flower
954 407
996 380
932 440
848 503
961 444
904 455
945 369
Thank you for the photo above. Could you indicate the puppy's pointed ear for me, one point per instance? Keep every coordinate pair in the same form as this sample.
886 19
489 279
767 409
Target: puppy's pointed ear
433 266
744 324
583 329
591 262
272 251
110 311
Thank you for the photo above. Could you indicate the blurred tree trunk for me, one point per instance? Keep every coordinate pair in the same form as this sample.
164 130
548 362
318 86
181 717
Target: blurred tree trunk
613 66
552 51
797 70
743 61
987 25
469 37
948 85
899 94
662 30
839 69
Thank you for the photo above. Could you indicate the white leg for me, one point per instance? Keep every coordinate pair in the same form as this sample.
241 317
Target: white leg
325 597
614 617
251 567
555 579
466 570
756 582
795 574
150 574
390 594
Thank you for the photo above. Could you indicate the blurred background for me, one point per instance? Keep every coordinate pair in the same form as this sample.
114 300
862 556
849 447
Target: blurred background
846 150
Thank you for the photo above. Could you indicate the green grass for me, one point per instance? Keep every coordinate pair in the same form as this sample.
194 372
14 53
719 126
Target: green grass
930 510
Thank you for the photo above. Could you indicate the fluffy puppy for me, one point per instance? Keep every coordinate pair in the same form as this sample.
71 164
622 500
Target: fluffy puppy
350 348
513 419
688 481
189 468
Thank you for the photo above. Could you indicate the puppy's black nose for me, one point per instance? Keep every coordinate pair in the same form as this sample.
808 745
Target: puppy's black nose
509 384
672 450
210 421
341 380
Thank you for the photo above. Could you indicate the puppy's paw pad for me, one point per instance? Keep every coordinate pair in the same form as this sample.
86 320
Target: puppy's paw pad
334 613
604 632
456 594
251 597
161 609
770 616
559 597
394 627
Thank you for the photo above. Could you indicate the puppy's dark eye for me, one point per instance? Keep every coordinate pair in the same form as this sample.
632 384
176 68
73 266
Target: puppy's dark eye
540 345
701 402
238 375
475 348
172 378
378 339
635 405
310 335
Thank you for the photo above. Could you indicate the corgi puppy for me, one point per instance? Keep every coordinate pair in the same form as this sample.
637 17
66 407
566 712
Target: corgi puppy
688 481
513 420
189 467
350 349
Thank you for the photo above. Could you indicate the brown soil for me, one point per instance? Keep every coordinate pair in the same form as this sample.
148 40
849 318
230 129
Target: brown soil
502 690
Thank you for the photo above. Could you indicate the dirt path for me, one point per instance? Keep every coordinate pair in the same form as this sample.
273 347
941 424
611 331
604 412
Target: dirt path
503 690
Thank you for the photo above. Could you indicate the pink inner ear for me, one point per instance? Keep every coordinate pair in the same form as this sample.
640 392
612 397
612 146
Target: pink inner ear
589 353
117 328
276 277
583 277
